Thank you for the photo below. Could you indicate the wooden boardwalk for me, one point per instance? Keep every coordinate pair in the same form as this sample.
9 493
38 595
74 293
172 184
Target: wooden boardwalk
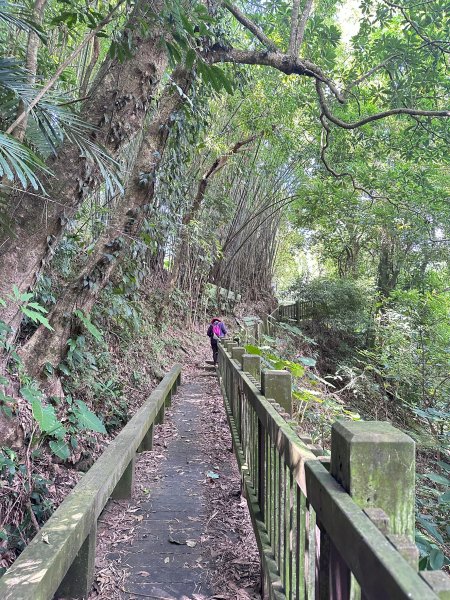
168 559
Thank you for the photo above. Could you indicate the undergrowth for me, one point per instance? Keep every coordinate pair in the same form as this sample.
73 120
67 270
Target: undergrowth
117 356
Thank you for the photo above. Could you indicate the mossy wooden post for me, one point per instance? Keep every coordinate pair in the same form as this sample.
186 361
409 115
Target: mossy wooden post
298 312
124 486
251 363
78 580
168 400
278 385
439 582
231 344
237 353
159 419
375 464
147 441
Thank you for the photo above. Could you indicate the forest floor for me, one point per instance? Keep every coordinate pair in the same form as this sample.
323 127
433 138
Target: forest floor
186 522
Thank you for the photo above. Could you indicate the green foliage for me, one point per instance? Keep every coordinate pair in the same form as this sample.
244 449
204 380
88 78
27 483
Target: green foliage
28 307
81 418
96 333
433 505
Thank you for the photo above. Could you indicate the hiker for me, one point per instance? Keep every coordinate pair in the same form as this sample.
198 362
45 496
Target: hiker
215 331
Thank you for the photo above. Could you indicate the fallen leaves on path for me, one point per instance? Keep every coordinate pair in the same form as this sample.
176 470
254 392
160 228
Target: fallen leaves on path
229 546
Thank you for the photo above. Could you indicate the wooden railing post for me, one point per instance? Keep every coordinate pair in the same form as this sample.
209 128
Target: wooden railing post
124 486
237 352
299 312
251 363
147 441
278 386
80 576
375 464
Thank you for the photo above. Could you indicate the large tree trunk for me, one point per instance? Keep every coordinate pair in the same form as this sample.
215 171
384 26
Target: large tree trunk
50 346
118 103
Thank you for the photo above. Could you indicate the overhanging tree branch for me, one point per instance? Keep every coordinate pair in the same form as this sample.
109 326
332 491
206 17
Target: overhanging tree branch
302 25
375 117
290 65
218 164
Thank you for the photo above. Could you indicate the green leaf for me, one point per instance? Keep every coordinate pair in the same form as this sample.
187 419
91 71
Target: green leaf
190 59
437 478
253 350
431 528
96 333
308 362
60 448
36 317
436 559
444 498
45 416
30 394
444 465
37 307
296 369
87 419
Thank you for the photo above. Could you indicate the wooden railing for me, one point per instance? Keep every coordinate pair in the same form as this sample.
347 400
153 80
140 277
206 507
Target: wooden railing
302 309
60 559
336 529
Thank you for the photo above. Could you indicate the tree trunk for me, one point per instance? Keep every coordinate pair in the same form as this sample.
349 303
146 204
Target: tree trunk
31 62
50 346
388 270
117 105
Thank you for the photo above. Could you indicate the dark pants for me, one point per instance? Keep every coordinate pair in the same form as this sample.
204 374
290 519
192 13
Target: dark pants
215 349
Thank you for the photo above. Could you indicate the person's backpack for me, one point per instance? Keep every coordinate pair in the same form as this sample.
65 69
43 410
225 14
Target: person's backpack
216 330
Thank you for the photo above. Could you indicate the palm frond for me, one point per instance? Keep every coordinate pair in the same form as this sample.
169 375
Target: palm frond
57 122
21 17
17 162
49 123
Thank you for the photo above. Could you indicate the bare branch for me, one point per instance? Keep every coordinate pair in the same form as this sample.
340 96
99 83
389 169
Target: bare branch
218 164
377 116
293 47
302 25
248 24
369 73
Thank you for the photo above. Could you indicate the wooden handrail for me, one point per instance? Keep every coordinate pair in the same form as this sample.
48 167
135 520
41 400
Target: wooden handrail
60 558
312 534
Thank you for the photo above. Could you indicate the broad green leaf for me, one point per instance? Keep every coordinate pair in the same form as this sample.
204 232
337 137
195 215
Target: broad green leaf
430 528
30 394
60 448
444 498
250 349
87 419
308 362
45 416
436 559
437 478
